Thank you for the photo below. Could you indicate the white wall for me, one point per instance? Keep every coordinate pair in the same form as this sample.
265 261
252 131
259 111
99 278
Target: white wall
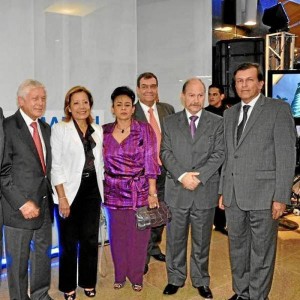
104 49
174 42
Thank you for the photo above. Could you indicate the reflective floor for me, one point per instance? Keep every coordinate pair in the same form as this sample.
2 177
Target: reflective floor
286 284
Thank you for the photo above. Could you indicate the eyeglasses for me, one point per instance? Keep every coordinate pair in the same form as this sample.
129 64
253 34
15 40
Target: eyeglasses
146 87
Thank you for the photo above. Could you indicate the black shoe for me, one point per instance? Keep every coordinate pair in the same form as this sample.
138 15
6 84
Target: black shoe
171 289
205 292
91 293
237 297
146 269
222 230
160 257
70 297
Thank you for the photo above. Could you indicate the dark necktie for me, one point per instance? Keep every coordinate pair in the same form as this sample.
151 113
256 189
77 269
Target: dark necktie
38 145
242 124
193 125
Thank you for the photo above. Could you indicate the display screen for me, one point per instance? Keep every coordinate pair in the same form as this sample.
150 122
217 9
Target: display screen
285 85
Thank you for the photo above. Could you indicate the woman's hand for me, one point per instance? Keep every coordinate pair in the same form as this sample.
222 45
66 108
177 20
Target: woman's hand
64 207
153 201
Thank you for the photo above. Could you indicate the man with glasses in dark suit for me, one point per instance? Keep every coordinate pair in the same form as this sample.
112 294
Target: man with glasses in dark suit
149 109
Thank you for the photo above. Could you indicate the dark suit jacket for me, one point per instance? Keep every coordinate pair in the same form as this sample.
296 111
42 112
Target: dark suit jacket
22 176
261 167
181 153
163 110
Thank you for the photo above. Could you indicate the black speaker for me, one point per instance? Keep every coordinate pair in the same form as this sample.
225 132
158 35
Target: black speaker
276 18
230 54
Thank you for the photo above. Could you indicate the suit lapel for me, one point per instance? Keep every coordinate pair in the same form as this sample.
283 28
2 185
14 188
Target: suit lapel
25 135
203 125
139 113
161 112
234 122
258 107
184 126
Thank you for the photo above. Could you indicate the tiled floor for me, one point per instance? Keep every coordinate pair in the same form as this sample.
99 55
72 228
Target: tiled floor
286 284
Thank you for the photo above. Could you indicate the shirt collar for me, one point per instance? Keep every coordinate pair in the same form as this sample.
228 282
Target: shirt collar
252 102
188 114
146 107
26 118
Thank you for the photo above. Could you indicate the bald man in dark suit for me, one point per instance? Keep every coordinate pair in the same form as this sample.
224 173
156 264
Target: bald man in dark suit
192 151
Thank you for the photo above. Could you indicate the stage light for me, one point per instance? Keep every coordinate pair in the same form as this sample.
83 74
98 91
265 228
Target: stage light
276 18
246 11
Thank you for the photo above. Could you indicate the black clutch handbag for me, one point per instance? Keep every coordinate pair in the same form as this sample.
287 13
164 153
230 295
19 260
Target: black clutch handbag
152 217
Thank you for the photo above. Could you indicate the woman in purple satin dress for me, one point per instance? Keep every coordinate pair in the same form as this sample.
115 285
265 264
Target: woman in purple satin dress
131 168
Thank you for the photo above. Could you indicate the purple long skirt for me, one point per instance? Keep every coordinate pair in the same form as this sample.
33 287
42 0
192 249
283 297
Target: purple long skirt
128 245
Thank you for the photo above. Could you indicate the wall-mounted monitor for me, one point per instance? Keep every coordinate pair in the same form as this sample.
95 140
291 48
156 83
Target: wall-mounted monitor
285 85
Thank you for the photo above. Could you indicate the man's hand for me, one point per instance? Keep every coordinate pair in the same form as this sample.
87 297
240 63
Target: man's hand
221 205
29 210
277 209
190 180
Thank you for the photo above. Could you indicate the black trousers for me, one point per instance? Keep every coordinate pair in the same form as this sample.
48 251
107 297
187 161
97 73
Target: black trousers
220 218
156 233
78 237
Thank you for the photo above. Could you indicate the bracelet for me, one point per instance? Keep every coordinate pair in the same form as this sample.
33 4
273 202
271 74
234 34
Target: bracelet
153 195
62 197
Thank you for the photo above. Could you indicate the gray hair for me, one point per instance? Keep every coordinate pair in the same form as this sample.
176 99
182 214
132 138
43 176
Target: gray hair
27 85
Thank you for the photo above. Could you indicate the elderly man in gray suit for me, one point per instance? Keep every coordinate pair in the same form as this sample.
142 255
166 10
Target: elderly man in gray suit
1 155
27 195
192 151
149 109
256 181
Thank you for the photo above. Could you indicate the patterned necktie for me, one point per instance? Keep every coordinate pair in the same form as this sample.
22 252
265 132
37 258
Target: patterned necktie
193 125
156 129
242 124
38 145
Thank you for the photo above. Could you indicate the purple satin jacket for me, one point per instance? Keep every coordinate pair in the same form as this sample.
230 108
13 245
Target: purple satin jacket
129 165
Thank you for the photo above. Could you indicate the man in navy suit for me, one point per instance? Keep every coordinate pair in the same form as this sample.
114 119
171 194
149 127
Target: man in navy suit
27 195
147 90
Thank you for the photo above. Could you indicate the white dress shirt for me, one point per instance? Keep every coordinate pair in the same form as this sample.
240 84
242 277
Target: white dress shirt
251 104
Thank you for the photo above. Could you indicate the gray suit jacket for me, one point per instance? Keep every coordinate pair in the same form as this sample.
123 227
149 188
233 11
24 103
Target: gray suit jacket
261 167
204 154
22 177
163 110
